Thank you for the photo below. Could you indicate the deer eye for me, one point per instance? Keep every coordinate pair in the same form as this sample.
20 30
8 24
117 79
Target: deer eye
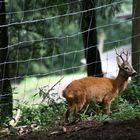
126 68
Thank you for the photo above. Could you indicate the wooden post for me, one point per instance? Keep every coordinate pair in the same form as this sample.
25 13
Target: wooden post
136 38
92 54
5 86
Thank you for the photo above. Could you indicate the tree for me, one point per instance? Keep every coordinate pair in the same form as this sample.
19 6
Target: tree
24 37
90 39
136 38
5 87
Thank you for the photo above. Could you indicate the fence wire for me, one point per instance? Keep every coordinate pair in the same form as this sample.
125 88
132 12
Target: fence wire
38 59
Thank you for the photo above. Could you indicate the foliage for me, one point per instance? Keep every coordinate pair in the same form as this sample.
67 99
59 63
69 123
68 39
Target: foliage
125 106
35 43
45 33
44 115
132 93
49 114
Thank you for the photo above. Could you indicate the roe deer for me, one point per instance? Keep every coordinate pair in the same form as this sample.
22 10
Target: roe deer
79 93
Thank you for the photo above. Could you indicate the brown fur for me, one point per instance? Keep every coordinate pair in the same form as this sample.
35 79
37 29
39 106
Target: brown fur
79 93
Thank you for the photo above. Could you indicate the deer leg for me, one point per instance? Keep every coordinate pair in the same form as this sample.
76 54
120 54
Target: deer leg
76 110
108 108
79 107
71 111
67 116
107 102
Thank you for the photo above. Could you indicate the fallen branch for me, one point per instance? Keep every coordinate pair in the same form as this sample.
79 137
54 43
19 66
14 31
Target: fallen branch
45 94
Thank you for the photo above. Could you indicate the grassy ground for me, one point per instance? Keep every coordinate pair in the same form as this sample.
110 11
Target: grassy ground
125 106
26 89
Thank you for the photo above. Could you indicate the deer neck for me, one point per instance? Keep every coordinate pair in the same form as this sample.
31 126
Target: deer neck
121 81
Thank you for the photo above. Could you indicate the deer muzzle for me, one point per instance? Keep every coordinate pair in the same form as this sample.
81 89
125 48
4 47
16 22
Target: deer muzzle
134 73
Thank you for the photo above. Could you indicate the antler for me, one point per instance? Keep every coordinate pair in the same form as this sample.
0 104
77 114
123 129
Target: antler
126 54
120 55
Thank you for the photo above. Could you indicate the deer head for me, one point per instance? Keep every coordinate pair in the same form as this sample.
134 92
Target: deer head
125 67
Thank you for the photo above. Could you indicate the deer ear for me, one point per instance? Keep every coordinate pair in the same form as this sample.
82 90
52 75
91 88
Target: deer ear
119 61
129 58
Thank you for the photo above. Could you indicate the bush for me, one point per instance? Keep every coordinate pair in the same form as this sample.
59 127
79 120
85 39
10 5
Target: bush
132 93
41 114
125 106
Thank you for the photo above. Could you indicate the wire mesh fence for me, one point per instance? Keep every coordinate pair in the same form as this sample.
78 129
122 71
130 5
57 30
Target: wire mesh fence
45 43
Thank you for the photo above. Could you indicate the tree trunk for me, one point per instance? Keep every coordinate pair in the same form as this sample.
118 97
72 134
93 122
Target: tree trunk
88 28
136 38
5 87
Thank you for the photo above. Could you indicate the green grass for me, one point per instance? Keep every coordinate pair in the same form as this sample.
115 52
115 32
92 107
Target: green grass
49 115
26 90
126 105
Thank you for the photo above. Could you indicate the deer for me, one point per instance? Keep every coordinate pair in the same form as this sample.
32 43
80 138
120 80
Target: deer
80 93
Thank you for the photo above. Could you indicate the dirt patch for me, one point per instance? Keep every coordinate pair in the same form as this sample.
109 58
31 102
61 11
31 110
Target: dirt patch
87 130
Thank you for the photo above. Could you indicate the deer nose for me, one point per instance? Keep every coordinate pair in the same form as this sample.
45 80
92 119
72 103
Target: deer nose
134 73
